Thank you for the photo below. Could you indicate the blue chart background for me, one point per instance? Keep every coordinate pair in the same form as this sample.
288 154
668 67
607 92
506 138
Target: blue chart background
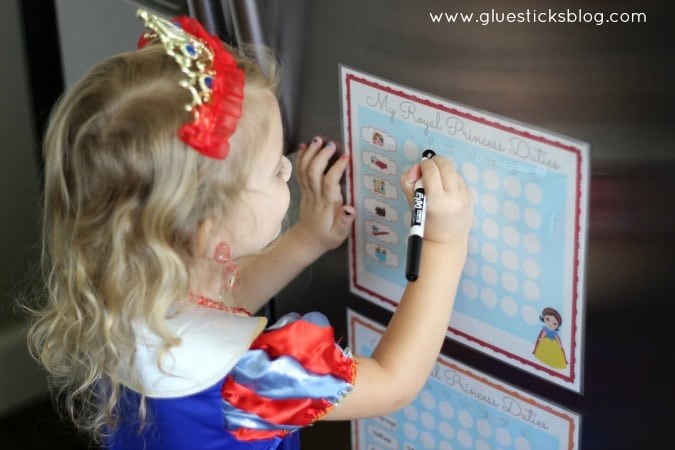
491 291
443 418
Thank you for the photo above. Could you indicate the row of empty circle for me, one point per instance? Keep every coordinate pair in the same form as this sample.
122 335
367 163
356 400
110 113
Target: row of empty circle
510 210
512 185
508 258
464 433
511 236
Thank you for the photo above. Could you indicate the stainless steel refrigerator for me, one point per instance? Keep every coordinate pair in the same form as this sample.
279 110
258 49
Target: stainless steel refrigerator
609 84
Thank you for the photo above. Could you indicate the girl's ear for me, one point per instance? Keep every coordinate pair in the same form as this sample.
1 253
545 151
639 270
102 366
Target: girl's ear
202 249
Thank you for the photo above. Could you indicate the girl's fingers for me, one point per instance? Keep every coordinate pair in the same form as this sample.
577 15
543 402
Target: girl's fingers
317 167
331 180
431 175
312 165
408 180
450 179
343 222
305 158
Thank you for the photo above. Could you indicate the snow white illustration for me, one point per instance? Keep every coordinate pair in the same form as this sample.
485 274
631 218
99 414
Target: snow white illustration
548 348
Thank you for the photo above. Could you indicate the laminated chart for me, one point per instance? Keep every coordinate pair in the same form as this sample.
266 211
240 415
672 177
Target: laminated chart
461 408
521 297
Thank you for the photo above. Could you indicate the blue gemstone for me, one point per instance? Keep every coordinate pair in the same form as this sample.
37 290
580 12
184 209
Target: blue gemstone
190 49
208 81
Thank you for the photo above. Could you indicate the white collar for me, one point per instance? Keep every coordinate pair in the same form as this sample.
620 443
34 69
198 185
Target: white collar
212 342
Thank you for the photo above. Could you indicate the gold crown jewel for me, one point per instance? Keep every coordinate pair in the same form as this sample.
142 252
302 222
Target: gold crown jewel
193 56
212 76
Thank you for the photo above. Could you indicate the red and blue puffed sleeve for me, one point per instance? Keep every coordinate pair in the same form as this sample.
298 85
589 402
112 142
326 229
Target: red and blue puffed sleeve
292 375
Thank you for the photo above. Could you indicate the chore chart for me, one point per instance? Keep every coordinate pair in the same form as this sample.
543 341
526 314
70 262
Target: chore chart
461 408
520 297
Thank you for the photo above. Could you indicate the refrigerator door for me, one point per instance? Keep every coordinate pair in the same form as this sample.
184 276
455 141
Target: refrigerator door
558 67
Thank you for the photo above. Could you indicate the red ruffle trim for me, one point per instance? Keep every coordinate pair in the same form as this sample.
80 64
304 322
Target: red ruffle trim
294 412
215 122
312 345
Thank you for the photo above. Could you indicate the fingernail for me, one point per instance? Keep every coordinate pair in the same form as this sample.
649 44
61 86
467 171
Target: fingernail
330 146
347 213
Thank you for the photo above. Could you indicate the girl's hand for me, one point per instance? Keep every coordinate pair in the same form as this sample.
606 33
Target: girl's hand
449 201
325 221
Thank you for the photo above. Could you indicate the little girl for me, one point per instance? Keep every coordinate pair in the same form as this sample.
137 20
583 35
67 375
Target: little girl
165 193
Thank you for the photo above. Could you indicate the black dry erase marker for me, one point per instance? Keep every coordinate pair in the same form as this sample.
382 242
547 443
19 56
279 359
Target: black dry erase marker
416 236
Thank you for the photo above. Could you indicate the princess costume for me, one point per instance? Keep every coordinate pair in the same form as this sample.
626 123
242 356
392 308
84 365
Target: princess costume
229 383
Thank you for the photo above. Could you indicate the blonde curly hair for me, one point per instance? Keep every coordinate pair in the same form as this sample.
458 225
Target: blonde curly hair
123 201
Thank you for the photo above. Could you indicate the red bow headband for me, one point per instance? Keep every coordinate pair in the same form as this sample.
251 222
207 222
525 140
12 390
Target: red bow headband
212 77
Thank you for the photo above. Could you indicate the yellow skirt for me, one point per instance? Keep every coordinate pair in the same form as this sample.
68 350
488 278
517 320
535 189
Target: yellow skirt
551 353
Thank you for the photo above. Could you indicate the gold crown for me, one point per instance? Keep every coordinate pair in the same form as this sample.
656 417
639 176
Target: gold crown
212 76
194 56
